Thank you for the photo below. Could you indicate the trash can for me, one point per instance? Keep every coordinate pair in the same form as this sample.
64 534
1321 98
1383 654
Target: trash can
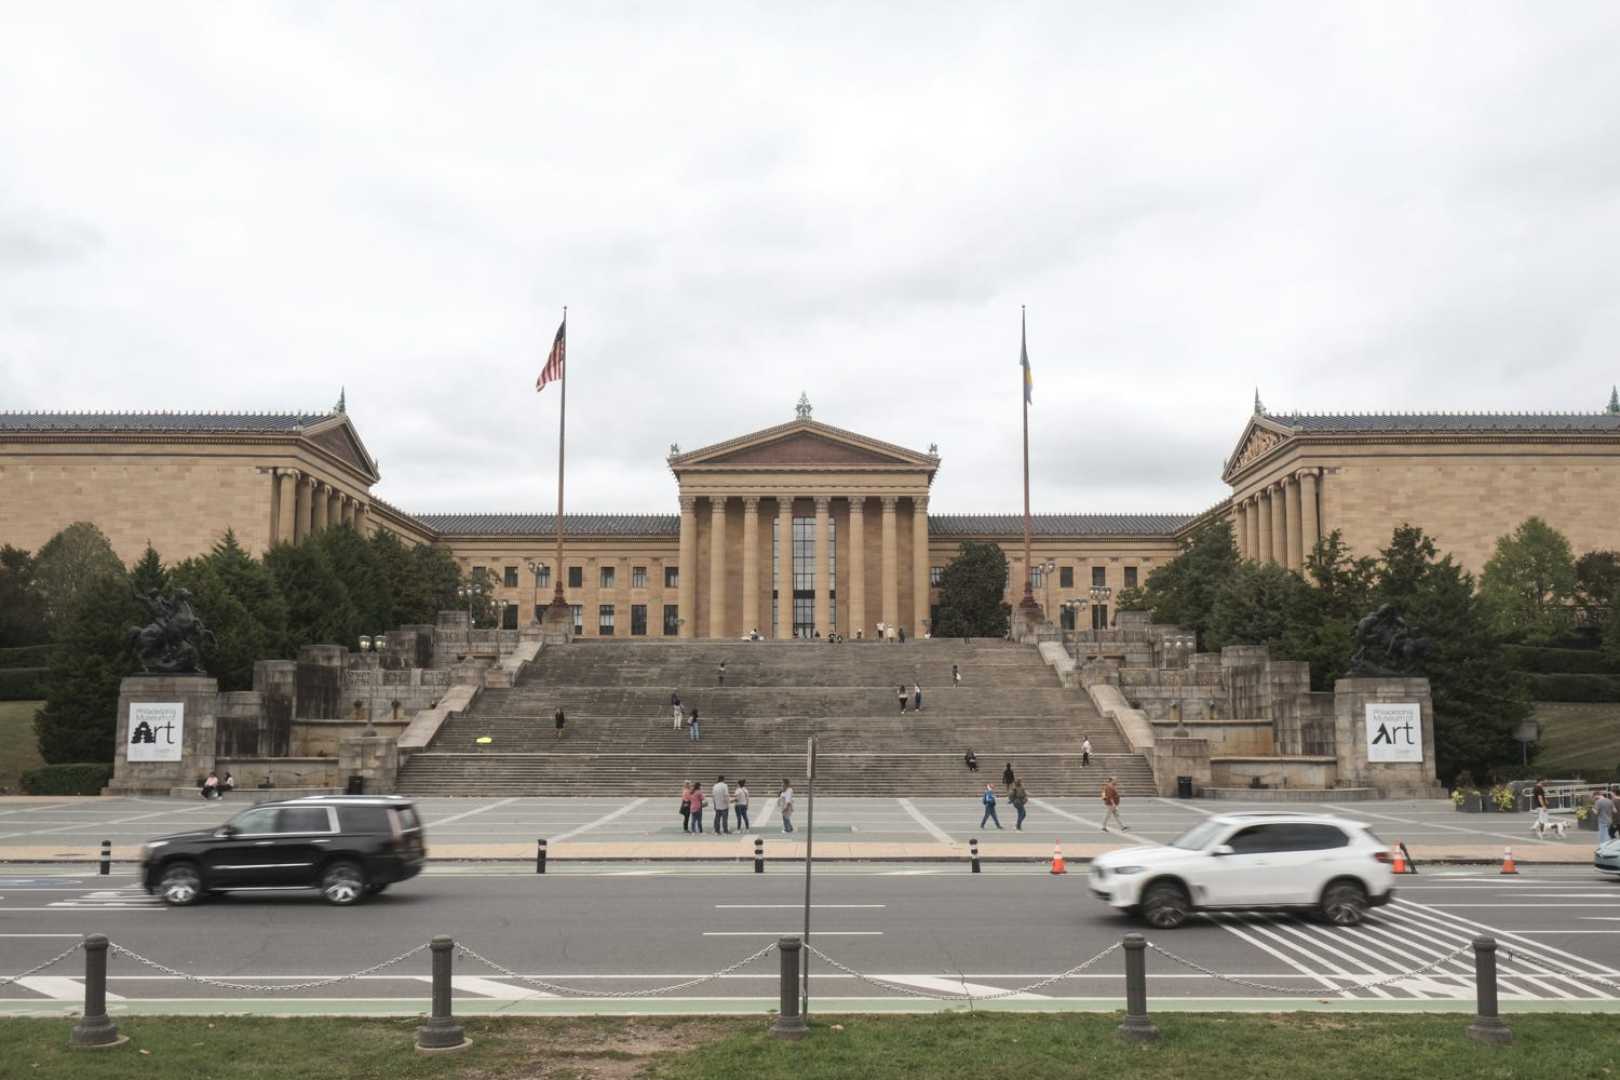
1184 788
357 785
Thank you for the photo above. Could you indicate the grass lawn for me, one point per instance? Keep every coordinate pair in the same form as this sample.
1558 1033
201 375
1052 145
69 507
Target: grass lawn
1579 739
1318 1046
18 751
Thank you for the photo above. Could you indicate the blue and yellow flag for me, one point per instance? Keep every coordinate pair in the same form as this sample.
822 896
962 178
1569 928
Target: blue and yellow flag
1023 354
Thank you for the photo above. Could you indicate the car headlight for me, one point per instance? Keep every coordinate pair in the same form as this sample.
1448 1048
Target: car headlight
1129 869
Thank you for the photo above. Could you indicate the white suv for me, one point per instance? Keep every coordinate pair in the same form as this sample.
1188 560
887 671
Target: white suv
1251 860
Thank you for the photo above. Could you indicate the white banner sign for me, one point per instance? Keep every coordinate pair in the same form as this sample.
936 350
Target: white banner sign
156 730
1395 732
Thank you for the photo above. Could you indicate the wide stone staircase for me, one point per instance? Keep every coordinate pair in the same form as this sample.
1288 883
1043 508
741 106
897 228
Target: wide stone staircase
620 737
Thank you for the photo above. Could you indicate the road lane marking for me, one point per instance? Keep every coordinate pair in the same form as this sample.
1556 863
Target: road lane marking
791 933
491 988
922 819
39 935
1226 923
88 826
797 907
603 820
1350 812
59 987
1419 913
469 813
946 985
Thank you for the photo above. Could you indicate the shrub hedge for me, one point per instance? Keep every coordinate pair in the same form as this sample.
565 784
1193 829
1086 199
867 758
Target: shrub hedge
77 778
1540 660
24 656
23 683
1586 688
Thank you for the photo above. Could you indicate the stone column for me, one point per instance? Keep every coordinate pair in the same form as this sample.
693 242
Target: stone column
1240 530
361 514
686 579
855 554
1296 552
891 564
784 562
317 497
717 566
287 506
750 616
300 509
1310 522
1251 515
919 564
1279 527
1267 534
334 507
823 608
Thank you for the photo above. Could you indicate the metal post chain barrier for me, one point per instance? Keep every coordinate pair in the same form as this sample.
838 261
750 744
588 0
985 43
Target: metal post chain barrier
106 857
1371 984
973 853
936 995
7 980
1487 1026
759 855
540 856
95 1029
1136 1026
1508 956
258 988
557 988
790 1022
441 1033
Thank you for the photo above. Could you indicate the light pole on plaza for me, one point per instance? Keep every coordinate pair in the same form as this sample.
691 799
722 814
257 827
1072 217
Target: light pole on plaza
471 591
1099 603
1048 568
367 644
501 605
536 568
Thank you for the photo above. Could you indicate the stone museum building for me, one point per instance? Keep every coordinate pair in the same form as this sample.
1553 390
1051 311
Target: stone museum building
805 527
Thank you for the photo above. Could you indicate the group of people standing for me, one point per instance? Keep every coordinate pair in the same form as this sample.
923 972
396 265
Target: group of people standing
724 799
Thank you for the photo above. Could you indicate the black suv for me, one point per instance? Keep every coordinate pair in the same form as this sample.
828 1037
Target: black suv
348 847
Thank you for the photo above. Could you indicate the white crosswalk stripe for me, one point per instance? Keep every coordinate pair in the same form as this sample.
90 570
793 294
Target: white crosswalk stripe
109 900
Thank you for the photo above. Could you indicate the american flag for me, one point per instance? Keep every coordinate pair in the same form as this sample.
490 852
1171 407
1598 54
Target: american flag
554 363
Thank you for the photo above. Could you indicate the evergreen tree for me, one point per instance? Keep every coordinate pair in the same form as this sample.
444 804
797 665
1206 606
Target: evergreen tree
254 587
1260 604
79 719
1182 591
71 563
971 591
22 613
1597 586
1529 583
433 581
148 575
319 611
355 563
239 638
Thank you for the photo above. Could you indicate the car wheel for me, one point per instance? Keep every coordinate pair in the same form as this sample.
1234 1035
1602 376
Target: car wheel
342 883
1165 906
1344 903
180 885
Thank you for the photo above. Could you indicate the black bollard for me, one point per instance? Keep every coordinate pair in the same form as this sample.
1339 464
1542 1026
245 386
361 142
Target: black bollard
106 857
973 853
441 1033
540 856
96 1030
1487 1026
1136 1027
789 1023
759 855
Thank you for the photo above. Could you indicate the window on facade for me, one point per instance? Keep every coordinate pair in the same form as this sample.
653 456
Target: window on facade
1130 577
579 617
638 577
804 576
480 573
1066 578
1035 577
509 578
604 620
1066 618
672 619
545 577
1099 616
509 614
576 577
638 620
1099 575
936 574
605 577
672 577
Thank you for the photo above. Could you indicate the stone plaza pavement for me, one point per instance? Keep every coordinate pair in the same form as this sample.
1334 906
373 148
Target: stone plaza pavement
39 829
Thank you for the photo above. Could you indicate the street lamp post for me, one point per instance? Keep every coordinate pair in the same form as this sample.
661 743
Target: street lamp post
367 644
536 568
1099 603
501 605
1047 570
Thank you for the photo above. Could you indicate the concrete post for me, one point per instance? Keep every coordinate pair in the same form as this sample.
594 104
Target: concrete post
759 855
750 563
540 856
106 857
1487 1026
96 1029
717 566
686 592
823 602
855 553
441 1033
1136 1027
784 560
973 853
891 565
789 1022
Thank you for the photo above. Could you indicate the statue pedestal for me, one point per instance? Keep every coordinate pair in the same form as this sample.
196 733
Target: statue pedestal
1027 620
166 733
557 627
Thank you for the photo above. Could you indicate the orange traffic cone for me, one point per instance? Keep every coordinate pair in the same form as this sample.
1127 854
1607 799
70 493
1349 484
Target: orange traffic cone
1399 856
1507 862
1057 859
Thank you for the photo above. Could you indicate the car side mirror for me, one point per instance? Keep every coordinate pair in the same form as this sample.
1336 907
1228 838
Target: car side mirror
225 832
1222 849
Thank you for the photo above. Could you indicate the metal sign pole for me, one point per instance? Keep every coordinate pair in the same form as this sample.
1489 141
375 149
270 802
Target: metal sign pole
809 841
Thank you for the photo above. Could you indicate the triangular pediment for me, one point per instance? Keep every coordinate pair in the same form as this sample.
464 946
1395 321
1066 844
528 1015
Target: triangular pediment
1261 435
338 438
804 444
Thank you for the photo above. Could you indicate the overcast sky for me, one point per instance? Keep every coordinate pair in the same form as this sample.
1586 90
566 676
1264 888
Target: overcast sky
1352 207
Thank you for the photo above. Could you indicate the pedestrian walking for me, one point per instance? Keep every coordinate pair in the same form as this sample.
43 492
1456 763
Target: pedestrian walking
1538 800
686 806
1085 751
722 673
721 797
739 802
559 719
900 695
675 707
1007 777
971 760
916 696
784 805
696 803
1614 827
989 801
692 731
1603 806
956 675
1018 797
902 635
1110 798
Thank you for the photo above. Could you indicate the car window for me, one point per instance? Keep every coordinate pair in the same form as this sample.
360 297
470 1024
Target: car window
261 819
408 819
1305 837
363 819
1259 838
1198 837
303 819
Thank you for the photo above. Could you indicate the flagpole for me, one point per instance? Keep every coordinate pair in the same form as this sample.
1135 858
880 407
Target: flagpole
557 598
1023 393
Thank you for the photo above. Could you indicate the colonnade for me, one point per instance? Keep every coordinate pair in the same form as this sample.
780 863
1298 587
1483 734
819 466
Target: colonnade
852 551
302 504
1281 522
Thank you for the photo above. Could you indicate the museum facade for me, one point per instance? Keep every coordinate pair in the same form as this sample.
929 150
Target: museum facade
803 527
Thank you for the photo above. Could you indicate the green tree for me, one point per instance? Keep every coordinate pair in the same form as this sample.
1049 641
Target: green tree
319 611
78 721
22 614
72 562
240 635
432 585
1597 586
1260 604
1529 582
1183 590
971 590
149 575
356 564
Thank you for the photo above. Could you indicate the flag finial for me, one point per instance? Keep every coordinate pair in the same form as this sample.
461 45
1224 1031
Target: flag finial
1259 406
1614 400
802 409
342 405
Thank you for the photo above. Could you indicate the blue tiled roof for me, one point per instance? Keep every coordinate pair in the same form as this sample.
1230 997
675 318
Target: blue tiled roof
1439 423
172 422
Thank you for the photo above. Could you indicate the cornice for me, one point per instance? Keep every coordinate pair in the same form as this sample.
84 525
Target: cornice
292 440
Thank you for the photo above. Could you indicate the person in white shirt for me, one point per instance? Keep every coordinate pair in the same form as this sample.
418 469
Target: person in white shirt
740 800
784 805
1085 752
721 797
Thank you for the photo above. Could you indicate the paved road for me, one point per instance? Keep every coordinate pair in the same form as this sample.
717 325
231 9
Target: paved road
925 927
74 828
